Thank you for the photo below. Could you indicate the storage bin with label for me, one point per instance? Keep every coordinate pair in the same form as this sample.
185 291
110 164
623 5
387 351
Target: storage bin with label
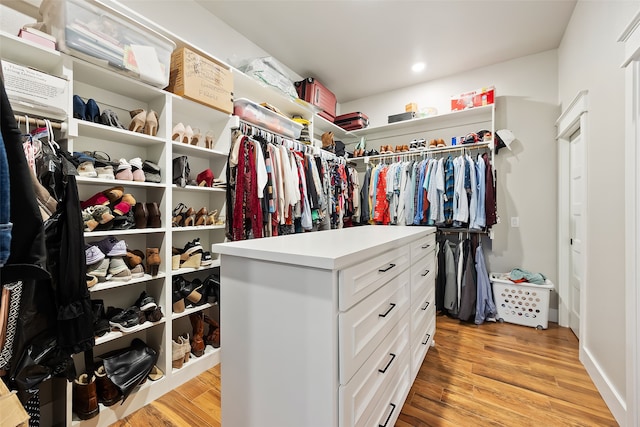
265 118
93 32
521 303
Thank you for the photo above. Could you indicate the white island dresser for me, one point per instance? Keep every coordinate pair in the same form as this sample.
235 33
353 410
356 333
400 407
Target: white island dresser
326 328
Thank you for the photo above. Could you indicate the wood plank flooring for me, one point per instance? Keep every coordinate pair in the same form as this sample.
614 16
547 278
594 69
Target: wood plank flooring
489 375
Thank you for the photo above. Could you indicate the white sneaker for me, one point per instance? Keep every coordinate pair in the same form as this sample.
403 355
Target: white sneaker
87 169
93 254
124 171
105 172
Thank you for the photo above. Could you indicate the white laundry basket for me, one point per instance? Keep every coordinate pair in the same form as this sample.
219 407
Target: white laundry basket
521 303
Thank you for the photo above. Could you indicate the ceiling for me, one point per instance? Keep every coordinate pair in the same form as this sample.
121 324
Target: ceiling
359 48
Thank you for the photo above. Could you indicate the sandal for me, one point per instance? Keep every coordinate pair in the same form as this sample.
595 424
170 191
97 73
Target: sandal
178 217
202 217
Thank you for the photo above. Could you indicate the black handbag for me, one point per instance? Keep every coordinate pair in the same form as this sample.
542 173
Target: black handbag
151 171
129 367
181 171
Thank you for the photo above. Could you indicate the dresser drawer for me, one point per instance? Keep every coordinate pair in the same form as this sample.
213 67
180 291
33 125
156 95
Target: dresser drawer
423 309
360 280
360 397
423 275
423 246
362 329
420 344
388 409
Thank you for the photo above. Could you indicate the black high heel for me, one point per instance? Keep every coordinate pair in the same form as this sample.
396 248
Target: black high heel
178 217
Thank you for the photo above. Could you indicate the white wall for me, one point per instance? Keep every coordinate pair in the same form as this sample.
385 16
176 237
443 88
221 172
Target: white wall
589 58
526 90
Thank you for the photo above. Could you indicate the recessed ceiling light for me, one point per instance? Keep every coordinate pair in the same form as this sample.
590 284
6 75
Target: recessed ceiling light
417 67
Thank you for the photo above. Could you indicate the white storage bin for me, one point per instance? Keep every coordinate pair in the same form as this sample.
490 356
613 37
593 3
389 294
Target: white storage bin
91 31
521 303
261 116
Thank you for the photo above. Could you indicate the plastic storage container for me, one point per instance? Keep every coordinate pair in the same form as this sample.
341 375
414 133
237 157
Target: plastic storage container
263 117
103 36
521 303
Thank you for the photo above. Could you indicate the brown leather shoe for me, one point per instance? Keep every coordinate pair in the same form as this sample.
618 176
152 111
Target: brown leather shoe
197 341
153 261
213 337
153 221
141 215
108 393
85 397
132 259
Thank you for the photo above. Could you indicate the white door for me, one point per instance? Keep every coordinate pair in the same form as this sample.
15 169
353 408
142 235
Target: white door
576 227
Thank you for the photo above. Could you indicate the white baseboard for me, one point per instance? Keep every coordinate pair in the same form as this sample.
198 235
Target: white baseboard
609 394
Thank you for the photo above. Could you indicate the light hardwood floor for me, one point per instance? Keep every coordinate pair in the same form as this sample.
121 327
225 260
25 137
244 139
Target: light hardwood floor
489 375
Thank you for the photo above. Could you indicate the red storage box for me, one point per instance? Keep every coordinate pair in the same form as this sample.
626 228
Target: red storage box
475 98
352 121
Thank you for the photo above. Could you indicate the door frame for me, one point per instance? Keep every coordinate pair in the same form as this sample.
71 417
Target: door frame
572 119
631 39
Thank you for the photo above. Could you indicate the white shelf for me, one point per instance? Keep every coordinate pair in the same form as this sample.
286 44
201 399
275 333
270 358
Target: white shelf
442 121
114 182
190 310
248 87
110 134
322 125
194 150
209 353
197 188
214 264
124 232
25 52
115 334
111 284
198 228
197 111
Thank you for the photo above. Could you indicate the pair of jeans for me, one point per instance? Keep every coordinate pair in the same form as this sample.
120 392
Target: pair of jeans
5 213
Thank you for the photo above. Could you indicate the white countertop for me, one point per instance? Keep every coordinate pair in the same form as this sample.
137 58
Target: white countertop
330 249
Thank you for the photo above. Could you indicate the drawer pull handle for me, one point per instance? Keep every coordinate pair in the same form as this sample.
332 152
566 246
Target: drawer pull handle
425 273
426 340
425 246
425 306
384 270
388 311
393 408
382 371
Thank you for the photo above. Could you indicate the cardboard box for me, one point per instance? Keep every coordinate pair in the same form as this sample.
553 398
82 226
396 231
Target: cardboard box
475 98
12 413
201 79
411 107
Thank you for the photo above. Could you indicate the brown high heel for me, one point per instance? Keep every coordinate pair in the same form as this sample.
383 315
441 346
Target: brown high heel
138 120
189 217
202 217
151 124
153 261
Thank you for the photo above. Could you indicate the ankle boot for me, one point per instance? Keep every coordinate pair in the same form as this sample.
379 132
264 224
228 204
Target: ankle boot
197 341
213 337
108 393
153 261
85 397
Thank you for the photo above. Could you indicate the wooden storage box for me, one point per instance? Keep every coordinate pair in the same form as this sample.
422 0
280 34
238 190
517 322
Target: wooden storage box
12 413
201 79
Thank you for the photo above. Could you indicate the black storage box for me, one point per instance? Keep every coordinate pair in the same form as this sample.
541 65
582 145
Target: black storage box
402 117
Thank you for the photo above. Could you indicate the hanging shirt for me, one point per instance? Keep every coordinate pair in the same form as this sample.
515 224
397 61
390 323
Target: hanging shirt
480 218
448 191
485 307
473 191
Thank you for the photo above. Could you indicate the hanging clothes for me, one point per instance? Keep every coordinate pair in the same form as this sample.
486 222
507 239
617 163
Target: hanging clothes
485 306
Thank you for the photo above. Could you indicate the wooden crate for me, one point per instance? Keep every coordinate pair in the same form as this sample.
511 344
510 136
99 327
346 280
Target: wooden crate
12 413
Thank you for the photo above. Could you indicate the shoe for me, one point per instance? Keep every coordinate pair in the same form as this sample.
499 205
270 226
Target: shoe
128 320
100 322
189 217
151 124
186 346
137 271
133 258
155 374
188 290
197 341
93 254
153 261
178 215
87 169
205 178
118 270
433 143
177 299
178 132
99 270
85 397
105 172
206 260
146 302
138 119
136 169
213 336
87 218
141 215
202 217
124 171
110 246
190 248
441 143
102 214
124 222
209 140
110 118
153 219
188 135
177 354
96 199
79 108
114 194
328 141
92 112
121 208
91 280
154 315
108 393
197 137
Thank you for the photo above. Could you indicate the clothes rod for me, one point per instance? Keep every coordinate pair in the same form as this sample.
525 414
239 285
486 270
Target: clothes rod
37 122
